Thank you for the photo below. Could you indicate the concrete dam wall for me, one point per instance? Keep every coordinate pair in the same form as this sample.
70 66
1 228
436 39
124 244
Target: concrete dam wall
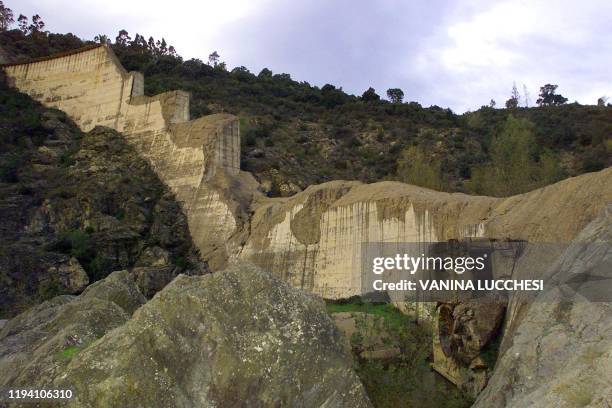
190 156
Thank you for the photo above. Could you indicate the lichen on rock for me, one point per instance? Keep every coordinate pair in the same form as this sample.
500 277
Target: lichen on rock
237 337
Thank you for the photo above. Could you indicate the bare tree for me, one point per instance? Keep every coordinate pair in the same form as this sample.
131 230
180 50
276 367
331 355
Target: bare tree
515 93
526 95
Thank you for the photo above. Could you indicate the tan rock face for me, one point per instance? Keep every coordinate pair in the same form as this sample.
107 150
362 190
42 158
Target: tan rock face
314 239
73 276
92 87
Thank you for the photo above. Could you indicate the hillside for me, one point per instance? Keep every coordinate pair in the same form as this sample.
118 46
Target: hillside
295 134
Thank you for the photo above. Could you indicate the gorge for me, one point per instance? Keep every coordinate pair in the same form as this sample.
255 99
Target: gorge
313 241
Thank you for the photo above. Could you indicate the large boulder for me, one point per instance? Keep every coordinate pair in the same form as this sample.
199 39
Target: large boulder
235 338
560 355
239 337
37 345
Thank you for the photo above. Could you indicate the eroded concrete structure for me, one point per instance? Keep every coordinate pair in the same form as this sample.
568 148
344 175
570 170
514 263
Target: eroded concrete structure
194 157
315 240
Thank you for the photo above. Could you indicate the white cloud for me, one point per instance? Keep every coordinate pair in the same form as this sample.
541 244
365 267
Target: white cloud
482 52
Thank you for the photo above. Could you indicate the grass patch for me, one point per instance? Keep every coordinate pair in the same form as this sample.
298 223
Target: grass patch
385 310
68 353
405 380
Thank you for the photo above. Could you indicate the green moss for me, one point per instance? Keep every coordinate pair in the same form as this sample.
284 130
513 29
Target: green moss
385 310
71 351
67 353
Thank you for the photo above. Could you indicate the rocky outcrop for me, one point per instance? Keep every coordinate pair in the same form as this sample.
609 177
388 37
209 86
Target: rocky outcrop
238 337
466 338
315 240
37 345
560 354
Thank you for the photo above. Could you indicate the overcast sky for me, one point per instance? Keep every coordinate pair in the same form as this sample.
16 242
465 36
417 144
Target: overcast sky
456 54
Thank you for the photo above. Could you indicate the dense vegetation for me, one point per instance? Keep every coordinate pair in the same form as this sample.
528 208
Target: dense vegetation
295 134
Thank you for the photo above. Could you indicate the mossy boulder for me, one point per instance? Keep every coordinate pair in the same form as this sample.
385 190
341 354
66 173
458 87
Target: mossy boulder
37 345
235 338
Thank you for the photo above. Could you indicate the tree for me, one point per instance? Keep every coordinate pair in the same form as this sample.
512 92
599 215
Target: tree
526 95
513 102
123 38
102 39
370 95
38 25
23 23
548 97
602 101
417 167
332 96
395 95
515 92
265 73
6 17
515 165
492 103
213 59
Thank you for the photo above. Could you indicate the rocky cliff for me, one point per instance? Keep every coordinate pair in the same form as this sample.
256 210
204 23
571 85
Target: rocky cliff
313 241
560 354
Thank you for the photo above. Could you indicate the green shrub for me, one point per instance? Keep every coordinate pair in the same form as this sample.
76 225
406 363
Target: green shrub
49 289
